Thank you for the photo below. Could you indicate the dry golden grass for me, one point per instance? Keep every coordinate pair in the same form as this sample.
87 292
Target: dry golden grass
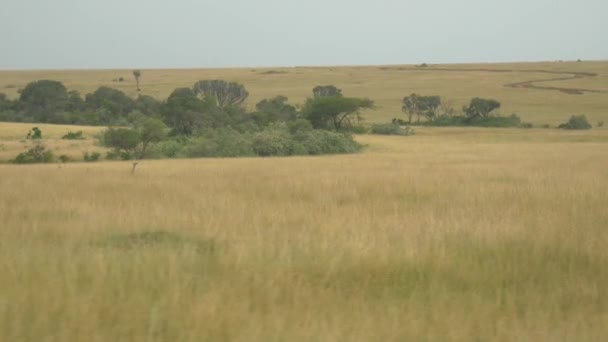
451 234
386 85
13 139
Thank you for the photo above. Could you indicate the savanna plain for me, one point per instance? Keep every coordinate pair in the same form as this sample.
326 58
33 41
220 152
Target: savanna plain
452 234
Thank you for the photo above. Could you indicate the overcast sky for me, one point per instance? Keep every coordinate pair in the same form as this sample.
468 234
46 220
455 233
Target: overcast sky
203 33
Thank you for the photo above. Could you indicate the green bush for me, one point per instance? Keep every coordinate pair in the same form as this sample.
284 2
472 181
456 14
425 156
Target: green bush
73 136
273 141
36 154
391 129
576 122
167 149
495 121
224 142
358 129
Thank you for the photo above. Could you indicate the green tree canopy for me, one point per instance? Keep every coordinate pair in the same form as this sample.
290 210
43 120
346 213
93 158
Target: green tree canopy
480 108
113 101
420 105
273 110
43 98
334 112
182 111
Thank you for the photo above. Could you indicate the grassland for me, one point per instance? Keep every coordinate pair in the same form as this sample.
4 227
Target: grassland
386 85
451 234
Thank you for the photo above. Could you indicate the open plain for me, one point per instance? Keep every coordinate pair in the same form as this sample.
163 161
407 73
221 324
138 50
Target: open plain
453 234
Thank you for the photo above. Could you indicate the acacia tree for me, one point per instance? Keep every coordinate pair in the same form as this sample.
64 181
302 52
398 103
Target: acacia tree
326 91
480 108
428 107
137 75
334 111
410 106
273 110
223 93
420 105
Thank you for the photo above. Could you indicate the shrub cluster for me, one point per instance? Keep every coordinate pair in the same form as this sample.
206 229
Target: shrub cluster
576 122
295 138
36 154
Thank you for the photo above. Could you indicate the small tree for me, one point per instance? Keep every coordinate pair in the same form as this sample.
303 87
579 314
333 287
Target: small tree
36 154
150 130
137 75
410 106
421 105
124 141
273 110
326 91
576 122
334 111
480 108
223 93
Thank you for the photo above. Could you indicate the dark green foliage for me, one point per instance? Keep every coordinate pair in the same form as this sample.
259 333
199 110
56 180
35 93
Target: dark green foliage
182 111
41 99
148 105
576 122
91 157
124 141
34 134
273 110
151 131
111 104
73 136
480 108
295 138
391 129
326 91
75 102
223 93
221 142
272 142
36 154
334 112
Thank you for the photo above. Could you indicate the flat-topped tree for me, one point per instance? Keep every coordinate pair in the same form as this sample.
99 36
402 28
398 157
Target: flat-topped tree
334 112
480 108
222 92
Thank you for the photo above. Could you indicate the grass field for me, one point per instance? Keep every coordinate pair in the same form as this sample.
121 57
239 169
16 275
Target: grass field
451 234
386 85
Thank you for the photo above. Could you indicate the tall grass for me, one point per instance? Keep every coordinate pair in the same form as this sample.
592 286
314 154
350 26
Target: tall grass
437 236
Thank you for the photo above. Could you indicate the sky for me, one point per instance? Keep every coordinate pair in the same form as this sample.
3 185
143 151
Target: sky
75 34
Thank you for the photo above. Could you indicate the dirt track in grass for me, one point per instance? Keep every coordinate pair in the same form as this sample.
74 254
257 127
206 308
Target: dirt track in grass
529 84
